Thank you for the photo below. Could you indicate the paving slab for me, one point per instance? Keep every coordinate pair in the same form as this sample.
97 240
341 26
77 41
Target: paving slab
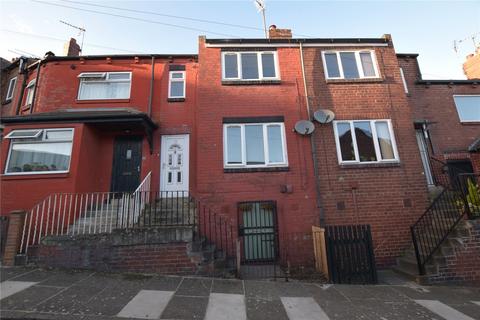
162 283
443 310
65 278
469 308
303 308
27 299
7 273
343 310
37 275
185 308
194 287
361 292
11 287
147 304
381 310
267 290
227 286
261 309
226 306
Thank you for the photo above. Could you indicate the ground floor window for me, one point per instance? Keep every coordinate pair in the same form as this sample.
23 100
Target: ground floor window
39 151
254 145
364 141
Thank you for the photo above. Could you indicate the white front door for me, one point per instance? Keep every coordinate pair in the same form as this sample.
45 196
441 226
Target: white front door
174 163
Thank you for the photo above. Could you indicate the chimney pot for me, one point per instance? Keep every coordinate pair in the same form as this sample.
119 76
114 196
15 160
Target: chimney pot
71 48
275 33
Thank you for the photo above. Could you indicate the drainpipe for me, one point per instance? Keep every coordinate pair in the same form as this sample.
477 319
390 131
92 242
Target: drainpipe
312 145
152 78
37 81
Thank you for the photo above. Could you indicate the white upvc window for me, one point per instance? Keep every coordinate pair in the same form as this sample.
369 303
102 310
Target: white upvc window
254 145
11 88
250 65
104 85
30 90
176 84
404 81
468 107
39 151
360 64
365 141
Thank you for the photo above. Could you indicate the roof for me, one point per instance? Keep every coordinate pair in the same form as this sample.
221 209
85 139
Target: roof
86 115
407 55
447 82
122 56
475 146
297 41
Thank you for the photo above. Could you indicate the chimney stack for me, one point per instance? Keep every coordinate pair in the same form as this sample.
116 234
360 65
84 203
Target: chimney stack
471 67
274 33
71 48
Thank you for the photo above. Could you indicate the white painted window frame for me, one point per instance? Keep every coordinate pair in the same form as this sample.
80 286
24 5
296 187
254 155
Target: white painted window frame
259 63
404 81
361 73
456 107
30 88
12 83
40 139
375 142
103 78
183 79
244 164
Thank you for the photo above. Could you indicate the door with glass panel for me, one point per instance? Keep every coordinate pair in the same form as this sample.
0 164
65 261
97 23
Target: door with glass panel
422 146
174 163
258 226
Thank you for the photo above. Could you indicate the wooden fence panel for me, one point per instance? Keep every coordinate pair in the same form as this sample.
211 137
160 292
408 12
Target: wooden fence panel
320 249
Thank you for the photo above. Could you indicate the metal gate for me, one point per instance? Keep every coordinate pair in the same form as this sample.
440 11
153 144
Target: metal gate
258 228
350 254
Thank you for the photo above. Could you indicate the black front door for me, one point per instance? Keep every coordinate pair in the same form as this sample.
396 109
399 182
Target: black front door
127 158
458 170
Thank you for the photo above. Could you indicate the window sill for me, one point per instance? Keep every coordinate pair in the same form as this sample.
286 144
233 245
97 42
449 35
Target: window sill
370 165
248 170
350 81
103 101
176 100
32 176
250 82
6 101
470 123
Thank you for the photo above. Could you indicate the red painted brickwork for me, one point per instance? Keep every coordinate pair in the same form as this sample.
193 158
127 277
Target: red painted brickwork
462 266
389 197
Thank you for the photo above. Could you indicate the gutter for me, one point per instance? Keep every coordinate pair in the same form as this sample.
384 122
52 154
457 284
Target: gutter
150 98
313 146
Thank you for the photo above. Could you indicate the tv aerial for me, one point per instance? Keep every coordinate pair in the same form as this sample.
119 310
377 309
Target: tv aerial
304 127
324 116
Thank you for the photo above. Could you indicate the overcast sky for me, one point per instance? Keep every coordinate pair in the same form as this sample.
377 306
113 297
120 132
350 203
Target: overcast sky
425 27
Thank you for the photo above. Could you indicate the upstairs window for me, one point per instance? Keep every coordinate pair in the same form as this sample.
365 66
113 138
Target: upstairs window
39 151
365 141
11 88
468 107
30 90
254 145
261 65
176 84
104 85
350 64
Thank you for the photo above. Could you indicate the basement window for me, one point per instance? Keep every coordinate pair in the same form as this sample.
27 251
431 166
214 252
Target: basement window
365 141
11 88
350 64
250 66
176 84
254 145
39 151
104 85
468 107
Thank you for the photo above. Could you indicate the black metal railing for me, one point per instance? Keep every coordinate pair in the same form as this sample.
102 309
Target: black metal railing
444 174
460 198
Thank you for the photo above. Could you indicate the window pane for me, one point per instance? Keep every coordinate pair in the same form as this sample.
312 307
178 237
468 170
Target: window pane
176 89
177 75
234 145
254 144
468 107
104 90
367 64
59 135
35 157
349 64
363 134
275 147
268 65
231 68
346 142
249 66
384 140
119 76
332 65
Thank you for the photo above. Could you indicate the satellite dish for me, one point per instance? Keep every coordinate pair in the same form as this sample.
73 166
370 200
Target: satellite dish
324 115
304 127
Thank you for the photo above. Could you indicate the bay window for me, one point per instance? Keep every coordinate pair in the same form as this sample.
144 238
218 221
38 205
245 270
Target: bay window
261 65
350 64
365 141
39 151
254 145
104 85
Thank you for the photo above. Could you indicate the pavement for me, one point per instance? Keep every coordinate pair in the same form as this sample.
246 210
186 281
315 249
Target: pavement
31 293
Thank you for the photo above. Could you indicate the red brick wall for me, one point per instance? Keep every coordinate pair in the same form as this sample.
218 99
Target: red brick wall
389 197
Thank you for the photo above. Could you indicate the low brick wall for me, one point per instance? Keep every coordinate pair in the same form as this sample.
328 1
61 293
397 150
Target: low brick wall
463 266
162 250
